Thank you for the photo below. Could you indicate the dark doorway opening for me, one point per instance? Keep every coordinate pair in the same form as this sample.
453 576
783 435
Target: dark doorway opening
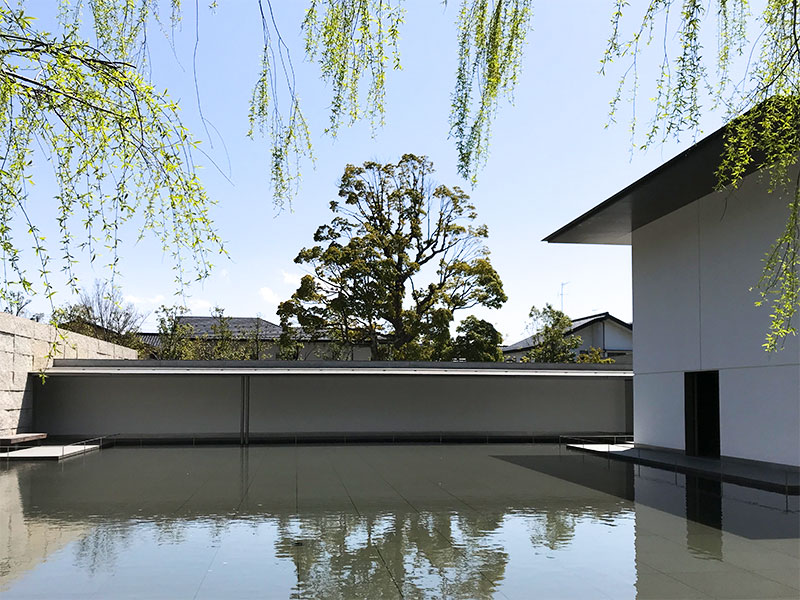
702 413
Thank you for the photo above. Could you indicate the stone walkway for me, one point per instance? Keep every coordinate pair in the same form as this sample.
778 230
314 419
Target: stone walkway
765 476
48 452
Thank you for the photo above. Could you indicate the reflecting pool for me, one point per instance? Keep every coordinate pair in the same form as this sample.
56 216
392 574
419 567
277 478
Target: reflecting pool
405 521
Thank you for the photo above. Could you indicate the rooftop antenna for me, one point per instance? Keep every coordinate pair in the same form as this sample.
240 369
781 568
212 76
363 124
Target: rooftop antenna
563 283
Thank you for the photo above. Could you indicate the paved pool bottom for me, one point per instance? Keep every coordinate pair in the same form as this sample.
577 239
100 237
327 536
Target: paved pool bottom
406 521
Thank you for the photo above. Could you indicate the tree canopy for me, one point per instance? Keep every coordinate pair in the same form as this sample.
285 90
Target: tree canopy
399 253
178 340
477 341
594 356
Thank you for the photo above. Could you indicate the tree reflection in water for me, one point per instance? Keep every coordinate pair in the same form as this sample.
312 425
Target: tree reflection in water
98 550
554 531
347 555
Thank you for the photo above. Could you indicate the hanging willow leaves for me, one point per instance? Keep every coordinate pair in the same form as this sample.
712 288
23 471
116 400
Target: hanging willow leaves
490 43
352 40
287 129
115 143
762 102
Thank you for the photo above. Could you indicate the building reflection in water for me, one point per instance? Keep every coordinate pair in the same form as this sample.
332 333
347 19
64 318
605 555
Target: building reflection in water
704 506
24 543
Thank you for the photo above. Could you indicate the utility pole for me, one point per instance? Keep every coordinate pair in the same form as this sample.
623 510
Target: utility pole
563 283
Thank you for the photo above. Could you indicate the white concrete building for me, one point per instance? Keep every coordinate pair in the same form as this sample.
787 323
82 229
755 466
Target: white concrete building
703 384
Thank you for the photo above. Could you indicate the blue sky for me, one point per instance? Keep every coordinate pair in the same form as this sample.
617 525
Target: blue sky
551 159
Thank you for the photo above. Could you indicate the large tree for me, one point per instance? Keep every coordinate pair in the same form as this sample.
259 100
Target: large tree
399 252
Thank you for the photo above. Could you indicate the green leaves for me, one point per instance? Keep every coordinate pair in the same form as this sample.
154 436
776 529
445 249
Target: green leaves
117 146
176 338
398 256
353 40
491 39
121 154
477 341
779 286
554 344
763 109
594 356
355 43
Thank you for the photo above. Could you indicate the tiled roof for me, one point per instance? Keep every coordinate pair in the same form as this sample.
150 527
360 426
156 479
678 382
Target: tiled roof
525 344
151 339
241 327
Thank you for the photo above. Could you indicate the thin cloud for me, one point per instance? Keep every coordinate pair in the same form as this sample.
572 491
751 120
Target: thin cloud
269 296
291 278
137 300
196 306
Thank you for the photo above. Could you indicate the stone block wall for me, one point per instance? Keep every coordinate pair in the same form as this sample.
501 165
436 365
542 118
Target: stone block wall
25 347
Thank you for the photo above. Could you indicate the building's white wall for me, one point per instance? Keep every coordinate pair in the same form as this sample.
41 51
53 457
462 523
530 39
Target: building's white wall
608 336
658 409
605 335
760 413
514 356
591 336
737 230
666 304
362 353
618 337
692 274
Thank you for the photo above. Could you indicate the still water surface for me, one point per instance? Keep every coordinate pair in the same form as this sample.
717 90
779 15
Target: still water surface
438 521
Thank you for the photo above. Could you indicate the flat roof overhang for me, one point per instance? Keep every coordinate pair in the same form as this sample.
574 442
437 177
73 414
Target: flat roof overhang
94 367
685 178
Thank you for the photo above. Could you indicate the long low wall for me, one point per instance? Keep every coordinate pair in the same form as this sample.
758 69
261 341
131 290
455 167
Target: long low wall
330 402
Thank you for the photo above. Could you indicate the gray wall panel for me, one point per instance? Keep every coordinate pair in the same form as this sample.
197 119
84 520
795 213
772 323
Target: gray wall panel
138 405
403 403
204 405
